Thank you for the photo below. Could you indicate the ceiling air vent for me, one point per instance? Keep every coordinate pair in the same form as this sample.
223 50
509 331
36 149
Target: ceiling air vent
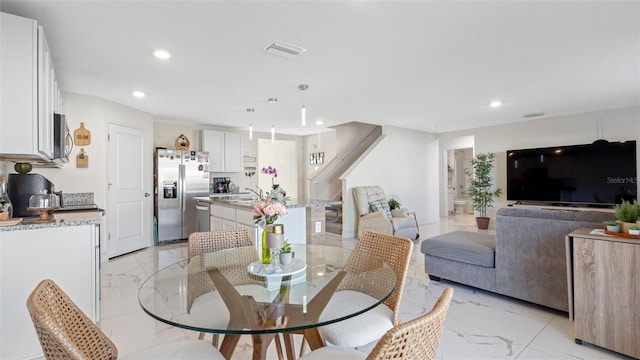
533 115
284 49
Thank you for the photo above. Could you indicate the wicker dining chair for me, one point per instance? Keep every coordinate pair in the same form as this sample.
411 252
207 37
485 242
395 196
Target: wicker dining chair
371 325
415 339
66 333
201 298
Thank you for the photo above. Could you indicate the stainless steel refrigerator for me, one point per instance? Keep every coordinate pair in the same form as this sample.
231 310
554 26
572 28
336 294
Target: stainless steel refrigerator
179 176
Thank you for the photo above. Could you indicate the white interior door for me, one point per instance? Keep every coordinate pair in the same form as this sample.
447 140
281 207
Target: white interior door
129 190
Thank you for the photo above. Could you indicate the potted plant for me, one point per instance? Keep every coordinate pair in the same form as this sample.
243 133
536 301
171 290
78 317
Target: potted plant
394 204
285 253
634 230
612 226
4 211
627 213
481 187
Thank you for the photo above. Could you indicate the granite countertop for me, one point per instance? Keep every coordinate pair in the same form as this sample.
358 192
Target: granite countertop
247 202
61 220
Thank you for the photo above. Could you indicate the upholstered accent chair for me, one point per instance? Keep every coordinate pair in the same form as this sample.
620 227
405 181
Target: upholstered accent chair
415 339
66 333
374 214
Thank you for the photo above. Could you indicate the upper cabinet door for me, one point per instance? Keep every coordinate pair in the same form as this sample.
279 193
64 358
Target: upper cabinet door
46 83
213 142
232 152
19 83
29 93
225 150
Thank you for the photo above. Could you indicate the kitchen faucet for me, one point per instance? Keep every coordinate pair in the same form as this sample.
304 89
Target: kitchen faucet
255 192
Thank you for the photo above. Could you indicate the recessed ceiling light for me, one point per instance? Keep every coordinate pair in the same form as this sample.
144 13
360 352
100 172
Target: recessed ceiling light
495 103
138 94
162 54
319 122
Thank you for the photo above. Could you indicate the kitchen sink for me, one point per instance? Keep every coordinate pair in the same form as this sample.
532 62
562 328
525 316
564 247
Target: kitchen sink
242 200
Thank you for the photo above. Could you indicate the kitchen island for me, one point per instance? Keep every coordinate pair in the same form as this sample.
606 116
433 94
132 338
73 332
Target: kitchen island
66 251
305 217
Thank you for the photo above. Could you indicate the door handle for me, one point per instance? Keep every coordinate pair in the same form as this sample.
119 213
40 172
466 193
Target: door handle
147 194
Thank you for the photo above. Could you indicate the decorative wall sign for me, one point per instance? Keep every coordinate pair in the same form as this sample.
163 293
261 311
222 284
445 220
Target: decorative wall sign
316 158
82 159
82 136
182 143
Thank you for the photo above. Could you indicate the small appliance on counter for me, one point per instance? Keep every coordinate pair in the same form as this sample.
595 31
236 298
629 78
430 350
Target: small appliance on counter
220 185
20 188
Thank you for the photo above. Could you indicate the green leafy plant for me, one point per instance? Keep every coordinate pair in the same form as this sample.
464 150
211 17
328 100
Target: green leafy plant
611 223
634 227
627 211
4 207
286 247
394 204
481 185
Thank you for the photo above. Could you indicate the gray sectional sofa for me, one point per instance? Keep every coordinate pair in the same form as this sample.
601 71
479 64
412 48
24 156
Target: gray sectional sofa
529 259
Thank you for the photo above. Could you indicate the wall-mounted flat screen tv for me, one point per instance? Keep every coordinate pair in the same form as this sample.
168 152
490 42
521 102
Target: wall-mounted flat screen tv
599 174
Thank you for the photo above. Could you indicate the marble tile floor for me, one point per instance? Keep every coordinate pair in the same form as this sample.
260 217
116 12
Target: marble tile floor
480 325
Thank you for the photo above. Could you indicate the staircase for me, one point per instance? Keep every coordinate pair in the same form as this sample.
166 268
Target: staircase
353 140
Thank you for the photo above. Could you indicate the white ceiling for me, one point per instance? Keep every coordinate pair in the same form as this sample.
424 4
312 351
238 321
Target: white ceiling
425 65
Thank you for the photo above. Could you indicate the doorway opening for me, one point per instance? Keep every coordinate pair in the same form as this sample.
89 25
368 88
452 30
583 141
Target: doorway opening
279 154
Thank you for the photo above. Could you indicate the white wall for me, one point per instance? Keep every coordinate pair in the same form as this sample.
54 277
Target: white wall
617 124
403 162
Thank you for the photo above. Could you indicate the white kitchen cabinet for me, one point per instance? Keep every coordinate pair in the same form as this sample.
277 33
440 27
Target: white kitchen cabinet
227 217
224 148
30 92
69 255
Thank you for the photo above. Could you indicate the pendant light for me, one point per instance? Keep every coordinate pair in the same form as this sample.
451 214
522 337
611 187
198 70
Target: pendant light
303 110
250 110
272 101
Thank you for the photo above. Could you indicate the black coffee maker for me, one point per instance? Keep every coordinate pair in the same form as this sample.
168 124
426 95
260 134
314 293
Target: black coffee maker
221 185
20 187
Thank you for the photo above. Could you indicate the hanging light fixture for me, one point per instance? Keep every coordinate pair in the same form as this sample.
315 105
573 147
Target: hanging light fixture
272 101
250 110
303 110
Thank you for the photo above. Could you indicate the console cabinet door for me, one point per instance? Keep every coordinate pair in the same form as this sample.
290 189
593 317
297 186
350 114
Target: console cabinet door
606 279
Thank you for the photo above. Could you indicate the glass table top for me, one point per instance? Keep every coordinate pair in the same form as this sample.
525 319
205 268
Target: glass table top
217 293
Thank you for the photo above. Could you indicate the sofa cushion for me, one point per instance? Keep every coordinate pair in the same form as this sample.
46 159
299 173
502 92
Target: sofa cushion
463 246
380 205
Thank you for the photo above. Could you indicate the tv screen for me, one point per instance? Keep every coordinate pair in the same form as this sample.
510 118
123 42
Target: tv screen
598 174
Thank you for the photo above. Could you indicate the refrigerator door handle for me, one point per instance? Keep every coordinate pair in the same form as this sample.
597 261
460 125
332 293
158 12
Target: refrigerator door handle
182 180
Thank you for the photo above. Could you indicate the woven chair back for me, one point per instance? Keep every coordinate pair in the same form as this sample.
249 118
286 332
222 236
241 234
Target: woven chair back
200 243
417 338
64 331
392 250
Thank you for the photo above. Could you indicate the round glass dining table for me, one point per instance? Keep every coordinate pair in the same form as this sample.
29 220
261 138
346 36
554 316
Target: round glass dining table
231 292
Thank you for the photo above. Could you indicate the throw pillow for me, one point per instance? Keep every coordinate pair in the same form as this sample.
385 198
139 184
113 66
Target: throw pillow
378 205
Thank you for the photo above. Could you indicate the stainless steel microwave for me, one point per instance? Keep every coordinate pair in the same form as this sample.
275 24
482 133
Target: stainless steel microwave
62 140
